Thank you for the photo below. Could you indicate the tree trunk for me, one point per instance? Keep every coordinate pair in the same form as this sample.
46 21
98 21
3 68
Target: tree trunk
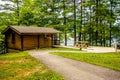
111 2
80 33
104 39
84 33
96 33
64 7
18 12
90 32
74 22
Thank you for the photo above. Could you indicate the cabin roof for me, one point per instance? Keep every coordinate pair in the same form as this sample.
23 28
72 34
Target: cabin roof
31 30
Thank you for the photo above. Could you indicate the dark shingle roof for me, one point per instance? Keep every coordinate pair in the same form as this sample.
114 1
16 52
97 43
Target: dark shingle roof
32 30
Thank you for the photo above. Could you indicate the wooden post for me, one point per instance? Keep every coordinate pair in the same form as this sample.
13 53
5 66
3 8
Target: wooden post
52 39
59 38
80 46
38 40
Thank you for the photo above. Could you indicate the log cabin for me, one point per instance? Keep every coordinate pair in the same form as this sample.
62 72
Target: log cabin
25 38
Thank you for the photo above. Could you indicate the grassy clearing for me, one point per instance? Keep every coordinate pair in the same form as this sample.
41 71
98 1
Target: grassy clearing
61 48
109 60
21 66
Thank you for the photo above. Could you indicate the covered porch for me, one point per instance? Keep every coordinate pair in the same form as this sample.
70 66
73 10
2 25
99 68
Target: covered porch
56 39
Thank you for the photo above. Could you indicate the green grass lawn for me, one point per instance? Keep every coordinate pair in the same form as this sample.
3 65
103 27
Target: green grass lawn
109 60
21 66
60 48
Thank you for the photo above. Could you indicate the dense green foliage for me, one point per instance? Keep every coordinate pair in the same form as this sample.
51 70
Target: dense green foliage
96 21
21 66
109 60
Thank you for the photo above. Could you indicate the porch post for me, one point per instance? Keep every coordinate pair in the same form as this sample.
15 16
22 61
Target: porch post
52 42
59 38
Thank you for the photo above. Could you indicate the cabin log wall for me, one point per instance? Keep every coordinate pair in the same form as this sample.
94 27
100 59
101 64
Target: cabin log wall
16 44
30 42
45 42
25 42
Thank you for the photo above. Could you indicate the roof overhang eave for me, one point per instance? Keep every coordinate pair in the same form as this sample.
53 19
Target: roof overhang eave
37 33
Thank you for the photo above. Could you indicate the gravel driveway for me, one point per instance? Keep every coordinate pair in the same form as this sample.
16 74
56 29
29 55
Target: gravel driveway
74 70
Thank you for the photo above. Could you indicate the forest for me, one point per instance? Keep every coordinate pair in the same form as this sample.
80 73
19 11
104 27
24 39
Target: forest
96 21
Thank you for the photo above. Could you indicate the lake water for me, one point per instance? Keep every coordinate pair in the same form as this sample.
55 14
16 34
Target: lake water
69 43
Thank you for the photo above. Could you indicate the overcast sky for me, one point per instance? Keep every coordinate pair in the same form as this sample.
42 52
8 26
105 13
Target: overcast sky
1 2
4 2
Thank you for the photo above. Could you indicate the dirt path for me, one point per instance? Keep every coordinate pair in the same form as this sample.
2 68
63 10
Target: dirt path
74 70
100 49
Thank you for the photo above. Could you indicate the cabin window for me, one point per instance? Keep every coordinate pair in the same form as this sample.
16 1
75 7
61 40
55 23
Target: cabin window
13 38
